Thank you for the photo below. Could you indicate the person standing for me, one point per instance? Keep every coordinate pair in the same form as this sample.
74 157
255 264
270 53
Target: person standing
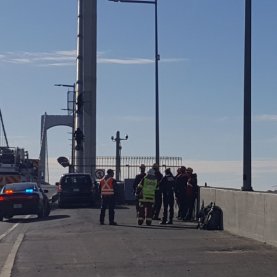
176 193
158 194
146 192
180 192
137 180
167 187
191 193
107 191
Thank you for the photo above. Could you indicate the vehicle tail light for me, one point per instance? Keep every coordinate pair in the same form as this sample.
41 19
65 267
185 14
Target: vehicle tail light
9 191
2 198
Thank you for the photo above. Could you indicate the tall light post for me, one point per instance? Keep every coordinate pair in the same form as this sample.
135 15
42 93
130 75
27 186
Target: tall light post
157 58
73 122
247 101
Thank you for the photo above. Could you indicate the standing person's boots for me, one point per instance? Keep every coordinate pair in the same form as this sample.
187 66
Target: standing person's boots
155 217
102 218
169 221
148 222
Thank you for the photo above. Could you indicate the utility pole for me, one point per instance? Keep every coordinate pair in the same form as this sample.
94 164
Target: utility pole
117 139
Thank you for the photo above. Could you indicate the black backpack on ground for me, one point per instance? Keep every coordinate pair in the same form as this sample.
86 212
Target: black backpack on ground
210 217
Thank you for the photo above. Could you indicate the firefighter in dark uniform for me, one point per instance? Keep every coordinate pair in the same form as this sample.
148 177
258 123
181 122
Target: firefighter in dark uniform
158 194
167 187
138 178
107 190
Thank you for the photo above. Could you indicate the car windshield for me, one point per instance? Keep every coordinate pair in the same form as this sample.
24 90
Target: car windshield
77 179
16 187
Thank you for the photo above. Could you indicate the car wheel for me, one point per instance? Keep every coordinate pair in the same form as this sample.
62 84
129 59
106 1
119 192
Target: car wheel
48 209
41 212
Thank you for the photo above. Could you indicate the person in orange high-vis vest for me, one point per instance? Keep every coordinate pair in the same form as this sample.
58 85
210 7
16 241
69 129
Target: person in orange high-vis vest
107 191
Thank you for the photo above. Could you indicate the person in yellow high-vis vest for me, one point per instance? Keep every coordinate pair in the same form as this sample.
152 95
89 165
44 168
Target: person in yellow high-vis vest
107 191
146 194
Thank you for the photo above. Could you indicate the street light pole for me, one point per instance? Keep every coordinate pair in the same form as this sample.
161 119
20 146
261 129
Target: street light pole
73 123
247 101
157 58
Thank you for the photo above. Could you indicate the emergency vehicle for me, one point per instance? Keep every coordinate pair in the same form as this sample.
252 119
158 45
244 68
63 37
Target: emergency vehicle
15 166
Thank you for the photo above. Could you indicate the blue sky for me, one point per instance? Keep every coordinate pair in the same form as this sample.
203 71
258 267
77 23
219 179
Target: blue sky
201 44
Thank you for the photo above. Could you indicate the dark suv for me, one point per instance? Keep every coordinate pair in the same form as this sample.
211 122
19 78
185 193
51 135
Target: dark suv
76 188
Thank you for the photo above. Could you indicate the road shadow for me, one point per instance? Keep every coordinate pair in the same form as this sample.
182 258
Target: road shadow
161 227
72 206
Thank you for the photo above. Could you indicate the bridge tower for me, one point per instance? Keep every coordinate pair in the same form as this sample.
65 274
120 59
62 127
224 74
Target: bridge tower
85 117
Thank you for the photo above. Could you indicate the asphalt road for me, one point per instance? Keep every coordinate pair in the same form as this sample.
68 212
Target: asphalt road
72 243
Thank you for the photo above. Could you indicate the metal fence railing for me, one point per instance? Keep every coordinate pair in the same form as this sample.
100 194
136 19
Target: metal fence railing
129 165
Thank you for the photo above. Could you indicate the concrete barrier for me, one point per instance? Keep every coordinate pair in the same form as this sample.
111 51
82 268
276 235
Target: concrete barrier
248 214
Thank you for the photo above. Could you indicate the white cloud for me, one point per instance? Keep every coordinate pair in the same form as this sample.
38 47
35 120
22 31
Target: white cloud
22 61
125 61
68 58
40 58
266 117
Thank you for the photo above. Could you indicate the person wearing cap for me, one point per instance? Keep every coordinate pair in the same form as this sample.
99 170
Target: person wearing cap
146 192
191 193
158 194
167 187
137 180
107 190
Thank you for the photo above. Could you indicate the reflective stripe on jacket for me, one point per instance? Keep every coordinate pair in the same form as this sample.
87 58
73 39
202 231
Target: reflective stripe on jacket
106 186
149 188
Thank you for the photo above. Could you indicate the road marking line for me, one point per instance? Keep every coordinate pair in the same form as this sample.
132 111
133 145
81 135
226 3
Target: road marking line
6 233
11 229
7 268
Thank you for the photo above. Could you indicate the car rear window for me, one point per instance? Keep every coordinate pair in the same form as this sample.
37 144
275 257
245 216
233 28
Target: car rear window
20 187
77 180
